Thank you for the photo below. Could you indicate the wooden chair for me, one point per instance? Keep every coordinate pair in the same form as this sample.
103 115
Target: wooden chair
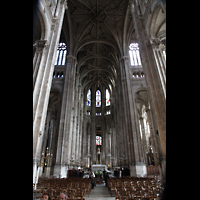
79 195
111 187
88 187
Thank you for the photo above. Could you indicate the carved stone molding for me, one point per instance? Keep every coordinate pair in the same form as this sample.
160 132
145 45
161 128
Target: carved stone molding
97 17
40 44
162 47
124 58
155 43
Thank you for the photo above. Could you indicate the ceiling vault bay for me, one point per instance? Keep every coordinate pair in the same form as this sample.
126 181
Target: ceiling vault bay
98 34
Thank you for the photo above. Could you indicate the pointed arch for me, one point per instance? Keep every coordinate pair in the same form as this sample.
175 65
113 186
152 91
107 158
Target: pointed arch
45 25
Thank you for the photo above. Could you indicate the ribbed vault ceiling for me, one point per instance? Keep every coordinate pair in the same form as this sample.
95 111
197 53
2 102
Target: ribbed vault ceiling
97 38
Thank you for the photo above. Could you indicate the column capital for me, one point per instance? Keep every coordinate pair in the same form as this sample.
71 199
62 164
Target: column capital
132 2
140 118
148 109
63 1
162 47
72 58
36 160
155 43
40 44
124 58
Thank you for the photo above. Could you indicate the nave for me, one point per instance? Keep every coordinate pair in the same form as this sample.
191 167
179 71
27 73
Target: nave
99 92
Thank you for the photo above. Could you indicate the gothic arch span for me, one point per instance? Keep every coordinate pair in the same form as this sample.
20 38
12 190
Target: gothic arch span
45 25
157 21
100 41
140 89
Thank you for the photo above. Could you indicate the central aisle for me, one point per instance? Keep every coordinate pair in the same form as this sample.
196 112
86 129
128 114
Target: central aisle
99 192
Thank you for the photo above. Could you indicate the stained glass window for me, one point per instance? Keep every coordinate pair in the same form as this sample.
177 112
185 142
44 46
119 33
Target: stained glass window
61 54
89 98
134 54
98 140
98 98
107 98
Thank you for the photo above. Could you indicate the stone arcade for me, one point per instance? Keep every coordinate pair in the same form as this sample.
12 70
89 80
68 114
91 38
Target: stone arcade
99 85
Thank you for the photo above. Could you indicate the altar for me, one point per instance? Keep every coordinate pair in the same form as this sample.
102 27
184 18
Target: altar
98 167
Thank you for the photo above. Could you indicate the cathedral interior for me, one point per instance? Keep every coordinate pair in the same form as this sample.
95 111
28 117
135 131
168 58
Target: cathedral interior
99 85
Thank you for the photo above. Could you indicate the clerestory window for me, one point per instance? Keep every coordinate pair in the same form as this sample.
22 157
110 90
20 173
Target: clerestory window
98 98
107 98
134 54
61 54
89 98
98 140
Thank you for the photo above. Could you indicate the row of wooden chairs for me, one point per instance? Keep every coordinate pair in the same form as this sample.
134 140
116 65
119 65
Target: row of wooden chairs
75 188
135 187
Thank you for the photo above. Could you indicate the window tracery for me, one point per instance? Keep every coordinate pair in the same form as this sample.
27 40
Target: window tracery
98 98
98 140
134 54
61 54
107 98
89 98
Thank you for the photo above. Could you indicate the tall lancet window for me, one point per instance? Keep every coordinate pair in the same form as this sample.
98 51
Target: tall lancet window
98 140
107 98
89 98
134 54
61 54
98 98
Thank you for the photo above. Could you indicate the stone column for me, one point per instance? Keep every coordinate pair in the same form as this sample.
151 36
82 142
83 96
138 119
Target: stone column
78 125
75 106
54 140
160 64
130 115
88 149
106 144
151 129
40 44
51 132
84 133
46 130
103 101
156 95
125 116
103 147
63 153
114 114
144 139
119 119
93 126
85 103
43 82
109 148
162 48
35 170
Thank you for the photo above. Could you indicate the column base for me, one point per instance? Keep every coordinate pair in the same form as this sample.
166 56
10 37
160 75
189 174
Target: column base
163 163
35 170
47 171
60 171
64 170
138 170
57 170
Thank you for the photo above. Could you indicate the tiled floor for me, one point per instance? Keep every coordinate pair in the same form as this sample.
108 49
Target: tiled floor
100 192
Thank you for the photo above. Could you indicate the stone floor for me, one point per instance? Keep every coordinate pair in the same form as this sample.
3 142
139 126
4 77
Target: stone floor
100 192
